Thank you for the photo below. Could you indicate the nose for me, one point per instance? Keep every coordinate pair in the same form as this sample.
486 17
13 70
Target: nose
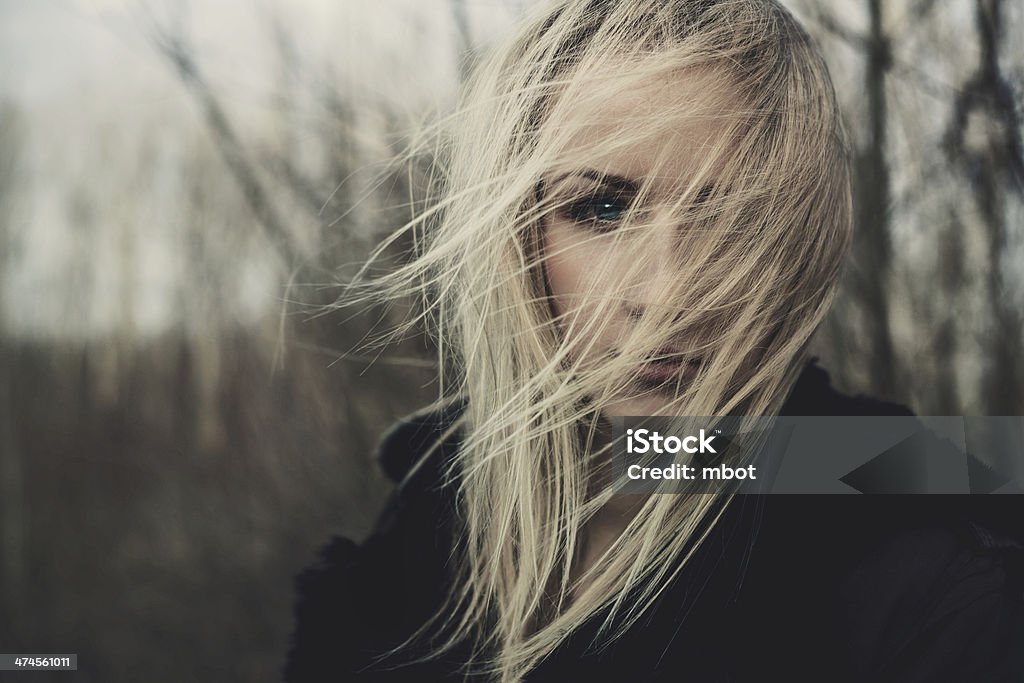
654 275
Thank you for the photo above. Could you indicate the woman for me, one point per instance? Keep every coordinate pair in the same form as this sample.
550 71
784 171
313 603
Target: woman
646 207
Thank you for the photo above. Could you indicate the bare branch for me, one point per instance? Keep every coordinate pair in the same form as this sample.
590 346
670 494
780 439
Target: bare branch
173 45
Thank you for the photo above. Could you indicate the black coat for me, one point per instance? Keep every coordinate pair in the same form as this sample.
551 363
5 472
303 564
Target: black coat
787 588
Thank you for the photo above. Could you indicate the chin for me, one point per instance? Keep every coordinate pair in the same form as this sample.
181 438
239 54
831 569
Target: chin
637 405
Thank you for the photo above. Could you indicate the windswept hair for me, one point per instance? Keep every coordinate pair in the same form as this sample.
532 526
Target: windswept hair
764 222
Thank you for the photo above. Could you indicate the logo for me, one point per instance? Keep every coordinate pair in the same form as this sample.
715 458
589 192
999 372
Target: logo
647 441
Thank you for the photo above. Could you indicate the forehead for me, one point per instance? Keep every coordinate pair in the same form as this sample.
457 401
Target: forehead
664 129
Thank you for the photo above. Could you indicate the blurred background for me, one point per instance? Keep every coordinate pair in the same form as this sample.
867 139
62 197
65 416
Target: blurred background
182 424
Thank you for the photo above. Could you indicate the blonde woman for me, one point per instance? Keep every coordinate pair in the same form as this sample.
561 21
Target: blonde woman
646 205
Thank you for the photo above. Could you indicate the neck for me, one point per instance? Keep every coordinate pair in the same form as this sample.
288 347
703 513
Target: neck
611 519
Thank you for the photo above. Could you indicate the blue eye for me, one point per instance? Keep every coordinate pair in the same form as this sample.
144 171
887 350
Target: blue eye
598 210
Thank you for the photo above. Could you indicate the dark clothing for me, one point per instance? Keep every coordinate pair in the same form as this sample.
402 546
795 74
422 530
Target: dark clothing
822 588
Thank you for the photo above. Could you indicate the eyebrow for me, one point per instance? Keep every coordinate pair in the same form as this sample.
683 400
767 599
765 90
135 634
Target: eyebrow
616 182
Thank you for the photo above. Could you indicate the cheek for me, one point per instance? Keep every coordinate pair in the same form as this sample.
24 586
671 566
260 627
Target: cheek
561 277
564 269
560 268
577 267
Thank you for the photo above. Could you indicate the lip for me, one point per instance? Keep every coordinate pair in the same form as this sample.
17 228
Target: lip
668 364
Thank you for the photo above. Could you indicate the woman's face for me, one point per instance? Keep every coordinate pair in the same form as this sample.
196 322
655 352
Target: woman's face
585 263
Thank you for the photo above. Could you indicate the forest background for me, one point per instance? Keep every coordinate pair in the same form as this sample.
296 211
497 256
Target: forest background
182 185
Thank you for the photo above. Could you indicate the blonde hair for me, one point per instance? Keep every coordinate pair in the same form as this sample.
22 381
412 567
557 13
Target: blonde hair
768 223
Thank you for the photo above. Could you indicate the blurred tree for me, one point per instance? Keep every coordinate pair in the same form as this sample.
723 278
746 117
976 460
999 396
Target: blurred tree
984 141
872 204
930 359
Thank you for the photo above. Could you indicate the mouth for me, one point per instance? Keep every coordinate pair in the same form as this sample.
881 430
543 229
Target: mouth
666 365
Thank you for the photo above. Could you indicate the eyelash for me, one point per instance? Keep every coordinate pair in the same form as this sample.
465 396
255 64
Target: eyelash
582 210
